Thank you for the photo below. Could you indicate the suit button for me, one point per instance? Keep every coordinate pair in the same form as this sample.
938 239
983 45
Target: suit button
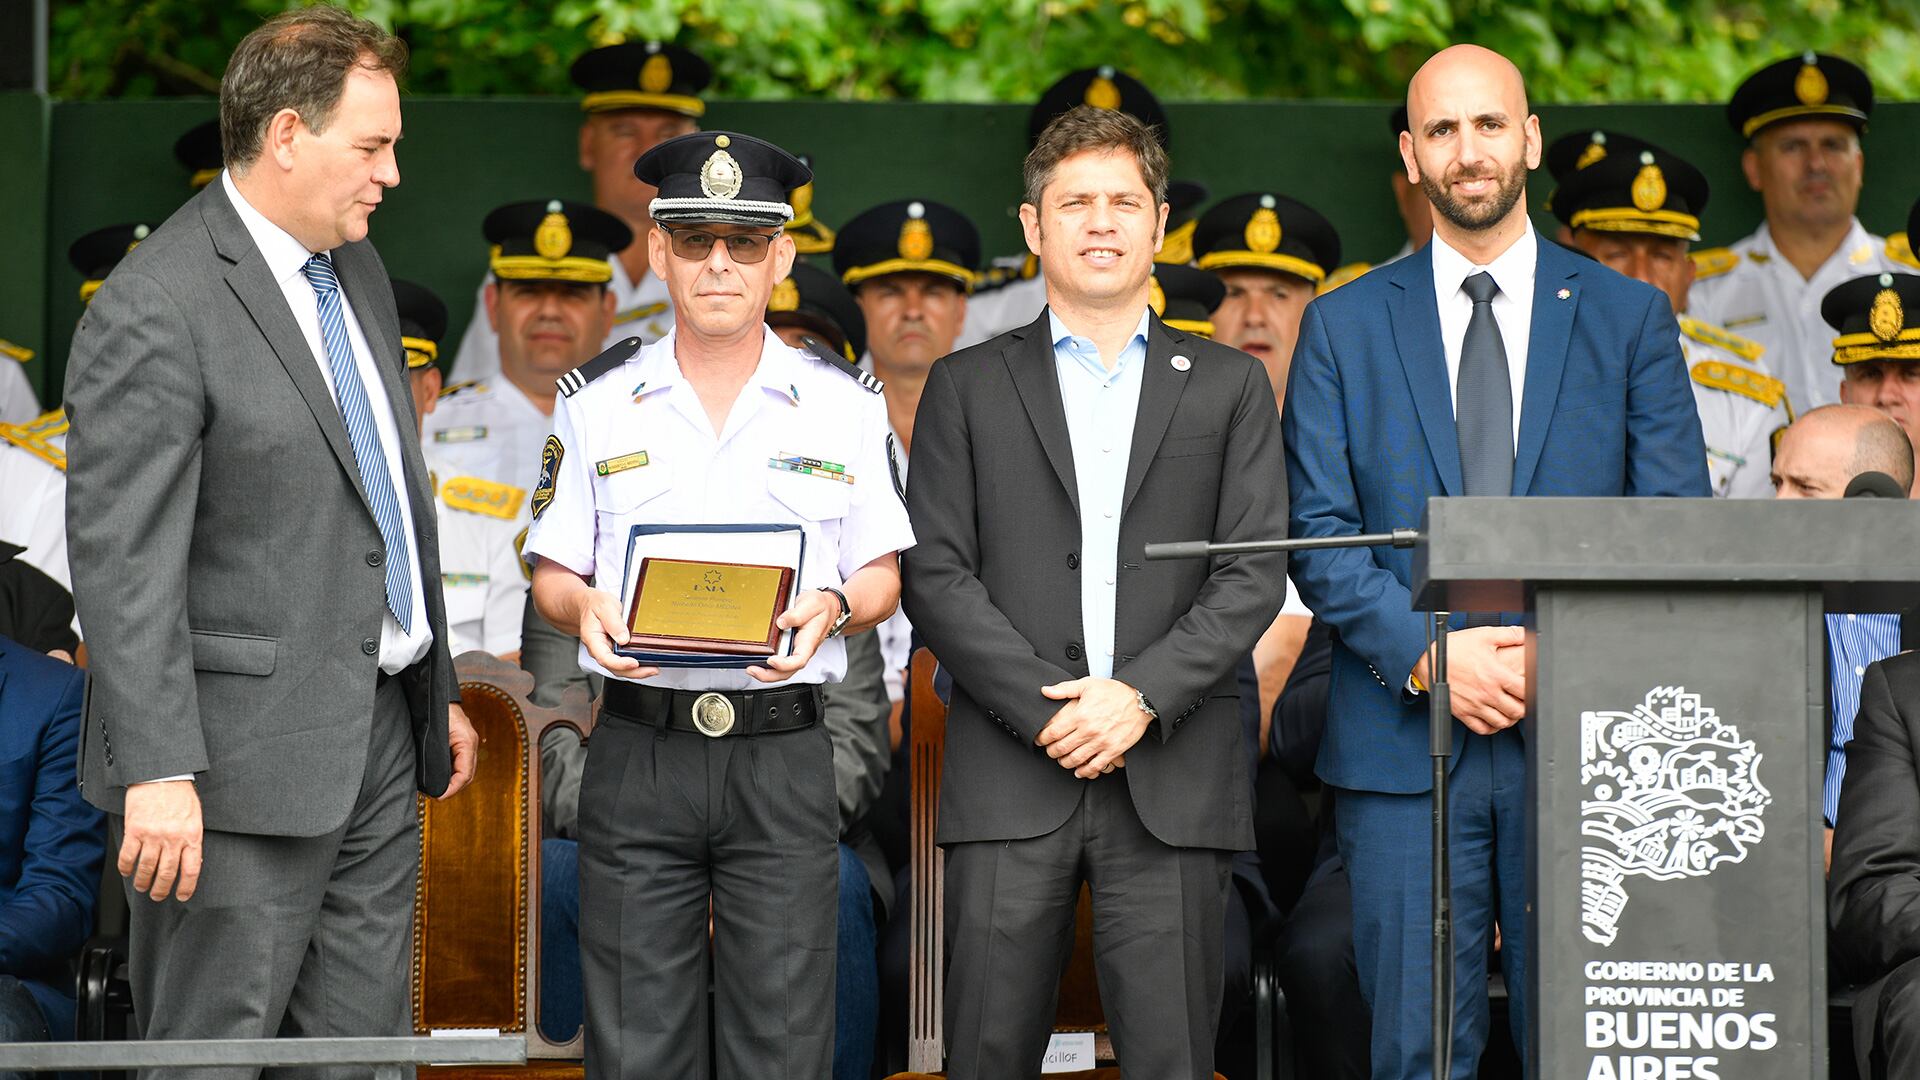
1073 650
1073 560
371 646
376 557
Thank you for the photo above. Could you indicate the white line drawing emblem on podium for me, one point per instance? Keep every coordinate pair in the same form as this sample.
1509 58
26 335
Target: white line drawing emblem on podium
1670 791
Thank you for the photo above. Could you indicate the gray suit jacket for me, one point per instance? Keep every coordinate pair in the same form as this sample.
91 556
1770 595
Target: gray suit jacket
993 586
220 542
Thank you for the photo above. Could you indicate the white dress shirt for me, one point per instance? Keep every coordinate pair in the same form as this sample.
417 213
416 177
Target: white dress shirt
1513 272
285 258
1101 404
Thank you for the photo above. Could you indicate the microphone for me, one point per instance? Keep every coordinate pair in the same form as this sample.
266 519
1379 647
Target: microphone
1875 485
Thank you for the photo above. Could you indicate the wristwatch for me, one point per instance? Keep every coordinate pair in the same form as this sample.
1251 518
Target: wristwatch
846 612
1140 698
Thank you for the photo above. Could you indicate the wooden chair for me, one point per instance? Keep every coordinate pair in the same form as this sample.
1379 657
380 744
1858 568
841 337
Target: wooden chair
476 928
1079 1002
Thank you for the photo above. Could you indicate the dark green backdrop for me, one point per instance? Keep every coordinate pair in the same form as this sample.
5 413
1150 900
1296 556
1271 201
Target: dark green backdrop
75 166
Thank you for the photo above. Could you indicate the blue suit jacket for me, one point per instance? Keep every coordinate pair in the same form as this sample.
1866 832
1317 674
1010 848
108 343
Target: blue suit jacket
51 840
1606 410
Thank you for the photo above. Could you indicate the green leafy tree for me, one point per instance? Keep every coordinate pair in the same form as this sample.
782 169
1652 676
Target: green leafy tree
1008 50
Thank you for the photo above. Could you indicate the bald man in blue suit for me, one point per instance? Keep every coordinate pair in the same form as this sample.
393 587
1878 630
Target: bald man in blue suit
51 844
1491 362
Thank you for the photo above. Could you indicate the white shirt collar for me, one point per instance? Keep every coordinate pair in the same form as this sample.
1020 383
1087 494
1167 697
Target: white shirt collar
1512 269
285 256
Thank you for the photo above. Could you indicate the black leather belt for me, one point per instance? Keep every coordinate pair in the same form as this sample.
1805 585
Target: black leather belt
715 713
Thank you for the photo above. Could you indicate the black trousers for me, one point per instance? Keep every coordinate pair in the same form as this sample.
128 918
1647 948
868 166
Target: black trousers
671 821
1159 932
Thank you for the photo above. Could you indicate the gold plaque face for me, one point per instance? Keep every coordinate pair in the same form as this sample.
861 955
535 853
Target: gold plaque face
682 605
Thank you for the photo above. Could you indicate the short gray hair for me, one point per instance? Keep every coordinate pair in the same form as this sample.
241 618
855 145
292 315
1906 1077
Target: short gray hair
297 60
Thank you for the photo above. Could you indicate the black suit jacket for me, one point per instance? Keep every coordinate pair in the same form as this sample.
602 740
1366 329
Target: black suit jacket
1873 891
993 583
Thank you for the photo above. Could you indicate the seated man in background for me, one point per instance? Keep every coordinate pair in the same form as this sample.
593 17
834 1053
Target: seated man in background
51 845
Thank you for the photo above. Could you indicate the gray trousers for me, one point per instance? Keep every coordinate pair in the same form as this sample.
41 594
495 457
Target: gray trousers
670 820
1159 932
290 936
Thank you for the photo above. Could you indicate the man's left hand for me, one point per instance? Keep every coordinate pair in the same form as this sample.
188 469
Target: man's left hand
809 616
466 749
1100 722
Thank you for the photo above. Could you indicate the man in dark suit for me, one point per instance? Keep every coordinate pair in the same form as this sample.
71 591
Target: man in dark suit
1874 888
1095 728
252 532
1487 363
50 845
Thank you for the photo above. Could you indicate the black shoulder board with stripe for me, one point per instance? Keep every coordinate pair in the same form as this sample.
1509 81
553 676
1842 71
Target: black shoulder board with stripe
824 353
576 380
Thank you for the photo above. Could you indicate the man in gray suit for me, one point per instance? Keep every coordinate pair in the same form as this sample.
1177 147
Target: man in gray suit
252 532
1095 729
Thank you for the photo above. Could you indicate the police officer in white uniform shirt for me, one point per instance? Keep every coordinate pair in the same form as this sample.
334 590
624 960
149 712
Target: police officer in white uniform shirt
714 785
637 95
1634 207
482 522
1802 119
550 302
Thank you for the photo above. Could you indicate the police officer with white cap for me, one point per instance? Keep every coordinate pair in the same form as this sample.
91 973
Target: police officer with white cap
711 788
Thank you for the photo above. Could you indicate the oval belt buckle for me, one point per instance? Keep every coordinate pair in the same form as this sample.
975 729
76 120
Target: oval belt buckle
713 715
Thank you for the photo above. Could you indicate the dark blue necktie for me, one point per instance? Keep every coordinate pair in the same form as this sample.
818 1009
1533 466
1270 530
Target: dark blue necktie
1483 397
365 437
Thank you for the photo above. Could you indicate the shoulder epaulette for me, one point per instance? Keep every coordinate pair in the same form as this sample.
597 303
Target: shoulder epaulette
36 437
1746 382
576 380
640 312
449 391
18 352
1708 334
489 497
819 350
1900 250
1710 262
1341 276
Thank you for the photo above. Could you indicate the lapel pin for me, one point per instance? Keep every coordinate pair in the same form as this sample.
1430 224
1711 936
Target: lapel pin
1181 363
1565 294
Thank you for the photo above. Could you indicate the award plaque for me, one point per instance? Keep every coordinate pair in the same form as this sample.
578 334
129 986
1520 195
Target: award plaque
707 608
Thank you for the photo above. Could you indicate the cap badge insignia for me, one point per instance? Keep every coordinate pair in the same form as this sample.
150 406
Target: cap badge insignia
1263 231
1595 151
1156 296
656 75
1810 86
1101 92
553 239
1888 316
786 296
916 236
1649 186
721 177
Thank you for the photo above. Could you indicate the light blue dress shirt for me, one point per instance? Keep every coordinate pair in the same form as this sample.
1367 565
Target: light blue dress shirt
1853 642
1101 404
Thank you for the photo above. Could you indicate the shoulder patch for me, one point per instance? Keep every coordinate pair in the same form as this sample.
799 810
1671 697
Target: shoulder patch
520 553
36 437
17 352
1712 262
1746 382
819 350
478 496
576 380
550 456
1341 276
449 391
1708 334
1900 250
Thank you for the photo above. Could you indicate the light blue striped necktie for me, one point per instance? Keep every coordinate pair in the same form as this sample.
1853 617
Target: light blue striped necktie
358 414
